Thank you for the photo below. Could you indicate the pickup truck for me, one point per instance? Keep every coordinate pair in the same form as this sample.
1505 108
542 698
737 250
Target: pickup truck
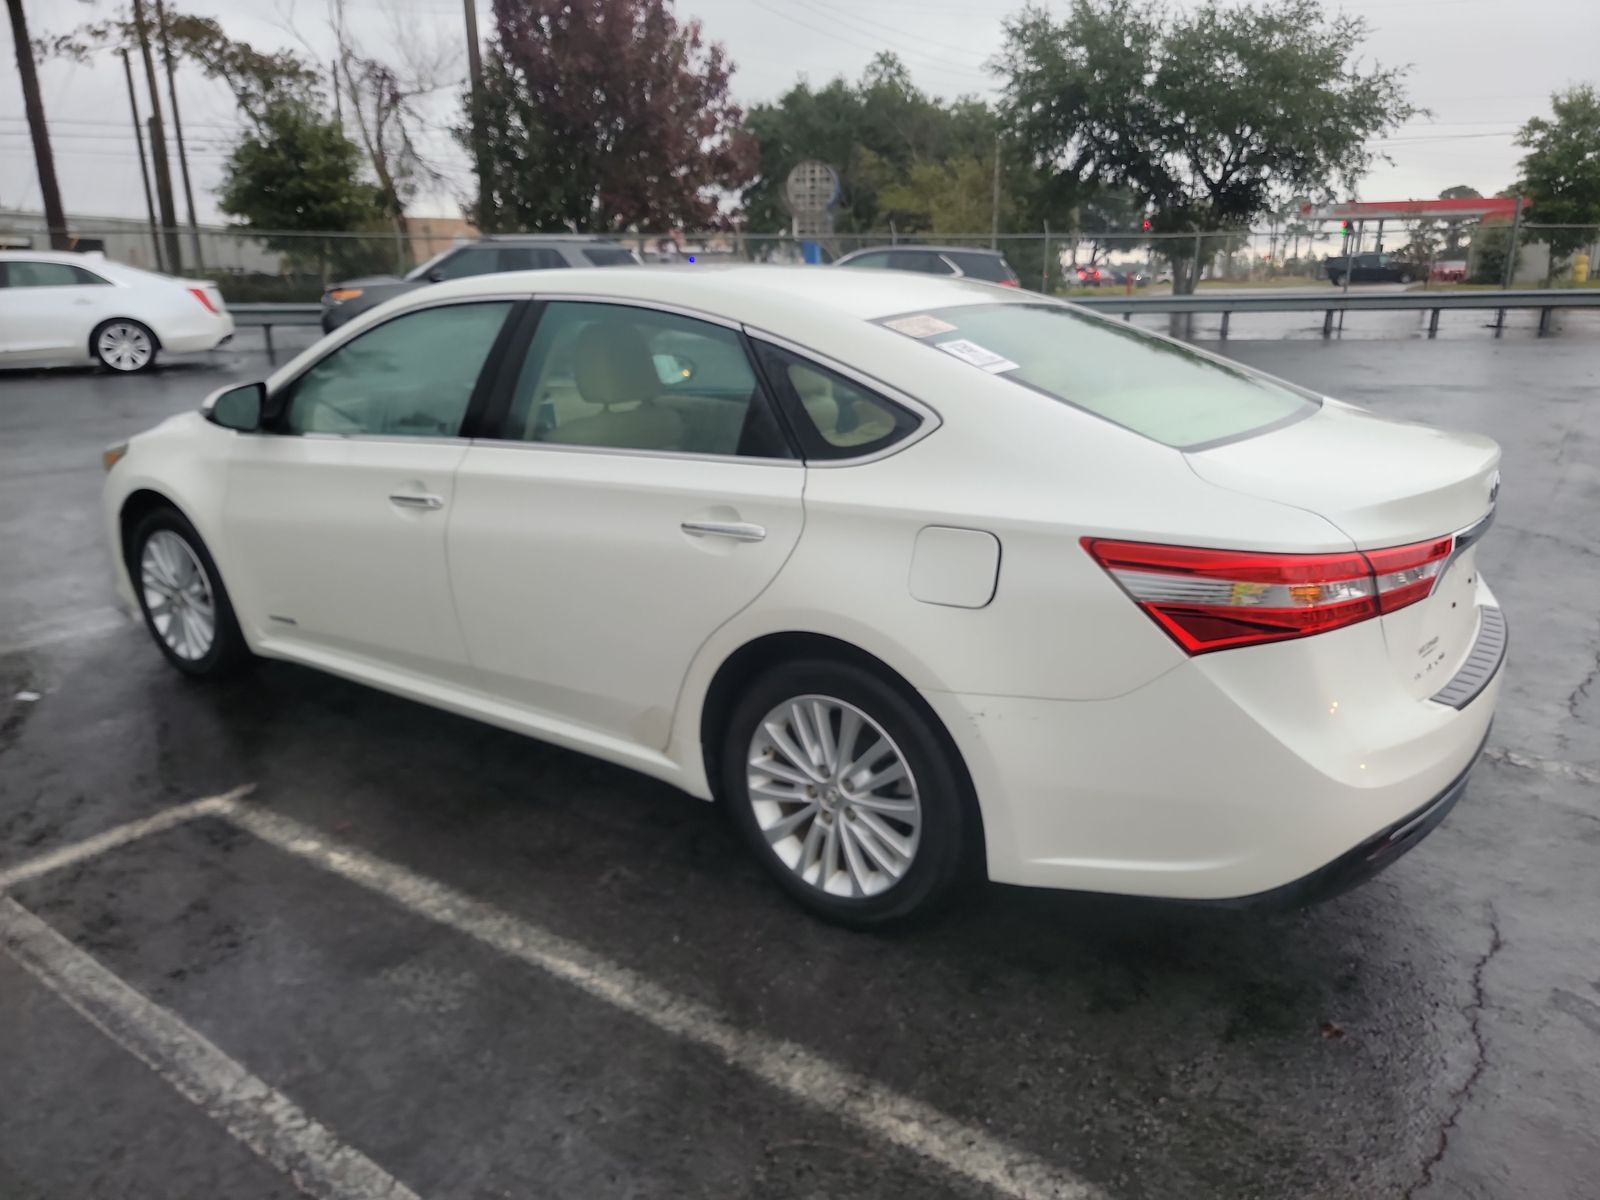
1372 268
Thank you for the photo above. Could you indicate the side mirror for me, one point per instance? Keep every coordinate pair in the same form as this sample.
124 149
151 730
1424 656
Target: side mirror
436 275
237 408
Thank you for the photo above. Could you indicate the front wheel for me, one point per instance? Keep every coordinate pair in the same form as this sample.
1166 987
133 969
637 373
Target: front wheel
124 346
1335 278
185 607
846 793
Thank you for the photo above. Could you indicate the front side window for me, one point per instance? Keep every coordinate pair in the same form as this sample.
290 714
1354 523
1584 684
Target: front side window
474 260
48 274
626 378
836 417
876 258
609 256
530 258
1155 387
412 376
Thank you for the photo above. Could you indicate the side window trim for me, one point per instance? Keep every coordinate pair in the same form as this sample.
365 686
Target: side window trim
928 419
276 411
501 393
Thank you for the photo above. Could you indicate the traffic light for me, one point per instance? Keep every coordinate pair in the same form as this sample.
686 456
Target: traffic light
1147 224
1346 226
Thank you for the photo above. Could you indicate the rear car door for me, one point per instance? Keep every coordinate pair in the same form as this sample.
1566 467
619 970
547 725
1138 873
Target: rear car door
335 516
637 495
48 310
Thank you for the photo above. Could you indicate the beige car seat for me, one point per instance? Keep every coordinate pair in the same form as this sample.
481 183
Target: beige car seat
612 368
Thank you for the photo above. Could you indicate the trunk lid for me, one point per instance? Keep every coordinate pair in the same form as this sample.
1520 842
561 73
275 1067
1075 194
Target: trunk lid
1383 483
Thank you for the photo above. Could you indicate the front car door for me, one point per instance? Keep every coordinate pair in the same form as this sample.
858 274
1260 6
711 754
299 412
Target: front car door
639 494
335 515
48 310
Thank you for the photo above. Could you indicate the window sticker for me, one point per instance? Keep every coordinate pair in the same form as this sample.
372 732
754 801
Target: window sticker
919 326
971 352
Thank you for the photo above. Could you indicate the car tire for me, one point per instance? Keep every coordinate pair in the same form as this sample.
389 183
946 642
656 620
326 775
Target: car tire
182 598
124 346
858 856
1335 278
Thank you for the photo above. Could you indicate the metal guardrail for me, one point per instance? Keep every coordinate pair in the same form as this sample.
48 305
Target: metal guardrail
1546 301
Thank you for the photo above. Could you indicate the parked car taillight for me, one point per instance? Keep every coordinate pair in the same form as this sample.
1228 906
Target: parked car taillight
1218 599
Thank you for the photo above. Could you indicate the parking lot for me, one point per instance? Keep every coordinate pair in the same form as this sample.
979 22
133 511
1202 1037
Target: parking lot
394 953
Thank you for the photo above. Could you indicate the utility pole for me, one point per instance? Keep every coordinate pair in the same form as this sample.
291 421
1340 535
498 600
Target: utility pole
994 200
158 146
177 133
55 218
480 153
144 167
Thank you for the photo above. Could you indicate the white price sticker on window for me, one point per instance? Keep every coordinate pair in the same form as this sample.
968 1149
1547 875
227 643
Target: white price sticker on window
971 352
920 326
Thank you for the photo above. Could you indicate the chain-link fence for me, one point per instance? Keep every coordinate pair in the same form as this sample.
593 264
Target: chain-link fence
253 265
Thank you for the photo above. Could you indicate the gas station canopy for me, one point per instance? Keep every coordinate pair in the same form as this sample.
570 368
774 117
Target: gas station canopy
1380 210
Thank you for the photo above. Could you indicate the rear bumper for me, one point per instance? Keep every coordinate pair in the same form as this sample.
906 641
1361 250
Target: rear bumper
192 339
1265 776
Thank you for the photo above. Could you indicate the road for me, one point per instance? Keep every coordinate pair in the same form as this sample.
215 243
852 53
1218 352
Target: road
424 957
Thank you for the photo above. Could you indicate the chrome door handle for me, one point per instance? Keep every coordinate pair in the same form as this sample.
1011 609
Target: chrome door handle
411 500
739 531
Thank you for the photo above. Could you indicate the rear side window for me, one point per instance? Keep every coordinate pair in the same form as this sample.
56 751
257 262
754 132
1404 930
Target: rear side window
609 256
46 274
834 417
925 261
1155 387
991 268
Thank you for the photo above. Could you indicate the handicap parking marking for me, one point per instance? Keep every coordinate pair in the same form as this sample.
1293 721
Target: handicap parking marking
270 1124
254 1113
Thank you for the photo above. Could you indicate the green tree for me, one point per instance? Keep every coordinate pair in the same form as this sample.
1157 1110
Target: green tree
604 115
1454 231
1561 170
1208 114
297 174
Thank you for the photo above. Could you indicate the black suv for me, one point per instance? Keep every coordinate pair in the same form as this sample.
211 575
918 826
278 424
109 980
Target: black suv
487 256
1372 268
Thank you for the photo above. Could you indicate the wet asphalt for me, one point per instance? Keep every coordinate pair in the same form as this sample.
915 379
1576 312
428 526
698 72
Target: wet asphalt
1434 1034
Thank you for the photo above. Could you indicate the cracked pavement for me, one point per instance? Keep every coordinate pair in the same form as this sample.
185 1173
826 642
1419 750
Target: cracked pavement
1435 1034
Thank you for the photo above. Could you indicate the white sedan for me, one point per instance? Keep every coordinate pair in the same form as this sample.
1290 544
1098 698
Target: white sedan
915 575
62 309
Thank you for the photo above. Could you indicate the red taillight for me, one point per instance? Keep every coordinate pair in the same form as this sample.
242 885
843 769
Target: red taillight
1008 283
200 295
1217 599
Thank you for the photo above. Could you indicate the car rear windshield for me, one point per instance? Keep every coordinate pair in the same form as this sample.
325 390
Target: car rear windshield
989 267
609 256
1157 388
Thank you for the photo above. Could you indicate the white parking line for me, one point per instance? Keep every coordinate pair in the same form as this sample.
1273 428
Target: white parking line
121 835
962 1149
264 1119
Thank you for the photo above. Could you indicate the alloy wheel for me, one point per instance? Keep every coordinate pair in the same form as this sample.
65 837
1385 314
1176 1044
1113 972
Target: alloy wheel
123 346
177 595
834 796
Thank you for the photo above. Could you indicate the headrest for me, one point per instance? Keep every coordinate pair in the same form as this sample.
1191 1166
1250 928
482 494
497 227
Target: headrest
611 364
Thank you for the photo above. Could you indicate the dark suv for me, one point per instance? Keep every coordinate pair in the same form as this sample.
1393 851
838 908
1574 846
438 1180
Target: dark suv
1372 268
487 256
988 265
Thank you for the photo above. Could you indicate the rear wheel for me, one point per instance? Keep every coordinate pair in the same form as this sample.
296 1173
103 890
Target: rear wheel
846 794
185 607
123 346
1335 278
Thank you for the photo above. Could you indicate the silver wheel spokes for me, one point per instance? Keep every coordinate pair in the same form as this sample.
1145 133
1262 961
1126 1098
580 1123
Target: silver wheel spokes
834 796
177 595
124 347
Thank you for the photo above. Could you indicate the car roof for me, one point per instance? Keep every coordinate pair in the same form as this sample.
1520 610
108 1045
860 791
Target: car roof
500 238
776 297
935 249
59 256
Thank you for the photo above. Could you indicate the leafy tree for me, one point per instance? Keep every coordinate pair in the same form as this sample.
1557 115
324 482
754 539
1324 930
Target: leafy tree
1206 113
1455 231
605 114
298 174
1561 170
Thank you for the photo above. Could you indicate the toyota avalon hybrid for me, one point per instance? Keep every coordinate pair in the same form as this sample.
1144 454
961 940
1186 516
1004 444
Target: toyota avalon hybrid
914 575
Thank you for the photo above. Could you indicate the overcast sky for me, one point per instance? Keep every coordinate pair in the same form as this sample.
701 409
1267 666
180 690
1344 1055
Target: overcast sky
1481 66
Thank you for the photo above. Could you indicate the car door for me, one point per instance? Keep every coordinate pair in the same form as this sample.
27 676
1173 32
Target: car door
48 310
639 493
335 515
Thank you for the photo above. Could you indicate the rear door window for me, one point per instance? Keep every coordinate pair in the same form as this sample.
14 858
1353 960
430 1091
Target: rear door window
473 260
1155 387
20 274
530 258
609 256
926 261
876 259
990 268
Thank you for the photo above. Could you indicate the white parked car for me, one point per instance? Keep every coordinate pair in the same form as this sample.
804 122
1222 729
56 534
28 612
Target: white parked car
913 574
62 309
